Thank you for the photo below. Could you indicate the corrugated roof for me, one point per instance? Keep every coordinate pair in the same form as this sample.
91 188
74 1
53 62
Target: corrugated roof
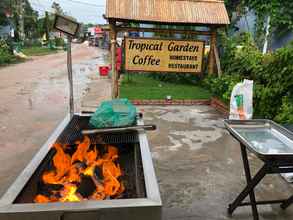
169 11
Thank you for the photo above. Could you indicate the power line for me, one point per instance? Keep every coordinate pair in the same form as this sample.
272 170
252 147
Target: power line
89 12
38 3
84 11
78 2
86 3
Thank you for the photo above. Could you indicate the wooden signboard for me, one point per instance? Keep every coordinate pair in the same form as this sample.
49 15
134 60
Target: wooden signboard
66 25
155 55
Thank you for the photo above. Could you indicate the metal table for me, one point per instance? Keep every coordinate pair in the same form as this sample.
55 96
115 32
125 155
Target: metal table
271 143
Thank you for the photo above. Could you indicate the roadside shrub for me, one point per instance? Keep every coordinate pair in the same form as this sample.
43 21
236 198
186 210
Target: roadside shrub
266 101
222 87
286 111
240 55
272 75
59 42
5 54
277 69
32 43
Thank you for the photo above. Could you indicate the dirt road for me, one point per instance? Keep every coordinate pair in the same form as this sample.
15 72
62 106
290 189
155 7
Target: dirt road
33 100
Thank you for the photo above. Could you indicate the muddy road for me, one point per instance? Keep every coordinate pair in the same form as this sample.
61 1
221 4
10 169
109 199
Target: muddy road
33 100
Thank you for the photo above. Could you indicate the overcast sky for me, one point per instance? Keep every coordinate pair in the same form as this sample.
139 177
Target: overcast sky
86 11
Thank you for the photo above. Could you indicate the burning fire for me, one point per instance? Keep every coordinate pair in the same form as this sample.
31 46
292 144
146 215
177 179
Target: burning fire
85 168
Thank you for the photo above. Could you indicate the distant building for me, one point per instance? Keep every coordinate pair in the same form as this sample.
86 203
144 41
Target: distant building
6 31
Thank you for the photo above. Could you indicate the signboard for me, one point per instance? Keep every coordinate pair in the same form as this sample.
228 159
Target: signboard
66 25
155 55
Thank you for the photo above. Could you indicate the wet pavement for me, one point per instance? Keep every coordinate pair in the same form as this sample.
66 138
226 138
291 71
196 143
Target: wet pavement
34 100
199 167
197 162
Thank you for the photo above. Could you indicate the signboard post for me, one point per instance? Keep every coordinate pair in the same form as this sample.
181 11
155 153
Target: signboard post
155 55
70 28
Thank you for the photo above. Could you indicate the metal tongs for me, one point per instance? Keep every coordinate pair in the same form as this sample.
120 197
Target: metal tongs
119 129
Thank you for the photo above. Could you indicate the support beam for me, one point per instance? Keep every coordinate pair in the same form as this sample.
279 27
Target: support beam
159 30
213 42
218 62
113 36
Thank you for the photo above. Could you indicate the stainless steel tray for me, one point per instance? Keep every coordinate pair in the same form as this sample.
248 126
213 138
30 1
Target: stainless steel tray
265 138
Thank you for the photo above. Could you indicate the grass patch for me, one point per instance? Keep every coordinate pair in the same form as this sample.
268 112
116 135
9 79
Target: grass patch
14 60
38 51
138 86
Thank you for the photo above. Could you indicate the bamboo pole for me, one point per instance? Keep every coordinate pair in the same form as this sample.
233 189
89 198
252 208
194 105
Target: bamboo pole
218 62
213 43
113 34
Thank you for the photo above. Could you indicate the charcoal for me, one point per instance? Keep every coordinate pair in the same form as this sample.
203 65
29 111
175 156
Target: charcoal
49 187
50 166
70 149
99 174
102 149
87 186
79 164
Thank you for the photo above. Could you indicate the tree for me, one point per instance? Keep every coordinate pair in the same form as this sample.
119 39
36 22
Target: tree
47 27
280 12
16 8
57 8
5 9
30 21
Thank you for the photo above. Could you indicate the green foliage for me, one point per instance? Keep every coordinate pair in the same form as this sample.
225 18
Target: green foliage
222 87
240 56
278 69
4 8
32 43
5 54
286 111
38 51
272 75
267 101
57 8
59 42
280 12
30 21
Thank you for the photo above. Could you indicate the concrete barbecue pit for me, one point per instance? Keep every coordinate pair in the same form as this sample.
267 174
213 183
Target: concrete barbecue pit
141 198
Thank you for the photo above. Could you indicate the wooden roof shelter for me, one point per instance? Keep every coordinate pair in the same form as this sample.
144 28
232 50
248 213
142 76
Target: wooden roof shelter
208 13
205 12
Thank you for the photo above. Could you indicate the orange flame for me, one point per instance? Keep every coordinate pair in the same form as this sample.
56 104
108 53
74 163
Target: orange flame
62 164
81 151
70 169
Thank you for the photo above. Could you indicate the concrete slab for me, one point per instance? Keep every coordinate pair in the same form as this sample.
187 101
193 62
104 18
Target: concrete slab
199 167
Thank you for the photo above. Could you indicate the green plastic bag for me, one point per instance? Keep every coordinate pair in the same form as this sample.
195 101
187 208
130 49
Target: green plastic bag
115 113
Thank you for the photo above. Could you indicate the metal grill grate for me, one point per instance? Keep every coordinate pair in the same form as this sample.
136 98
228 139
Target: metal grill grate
72 133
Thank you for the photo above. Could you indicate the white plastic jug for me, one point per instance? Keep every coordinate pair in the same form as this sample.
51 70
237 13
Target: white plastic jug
241 103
